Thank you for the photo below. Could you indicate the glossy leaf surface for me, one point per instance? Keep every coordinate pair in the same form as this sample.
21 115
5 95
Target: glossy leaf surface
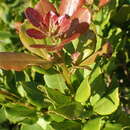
83 15
31 127
114 126
55 81
94 124
83 92
70 6
35 34
81 20
108 104
33 16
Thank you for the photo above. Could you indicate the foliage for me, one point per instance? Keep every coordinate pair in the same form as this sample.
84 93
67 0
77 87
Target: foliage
73 71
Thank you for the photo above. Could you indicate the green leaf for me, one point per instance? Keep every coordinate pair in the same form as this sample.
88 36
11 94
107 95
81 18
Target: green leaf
124 13
16 113
5 35
97 83
83 92
87 43
110 126
94 124
55 81
54 116
28 41
70 111
57 97
108 104
105 50
66 125
33 95
2 115
31 127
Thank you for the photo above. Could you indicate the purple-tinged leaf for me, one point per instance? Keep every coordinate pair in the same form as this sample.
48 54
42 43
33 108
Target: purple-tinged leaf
57 47
81 20
69 39
64 23
68 7
44 6
33 16
19 61
27 41
35 34
50 18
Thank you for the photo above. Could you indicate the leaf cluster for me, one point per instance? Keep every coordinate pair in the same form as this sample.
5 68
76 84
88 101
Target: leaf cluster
84 87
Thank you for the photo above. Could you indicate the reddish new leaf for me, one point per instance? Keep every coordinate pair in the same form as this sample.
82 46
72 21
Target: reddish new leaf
44 6
83 15
35 34
50 18
19 61
57 47
33 16
47 47
64 24
81 20
103 3
69 39
68 7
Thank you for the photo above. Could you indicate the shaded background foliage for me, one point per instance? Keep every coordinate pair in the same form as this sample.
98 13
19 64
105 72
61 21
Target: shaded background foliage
111 23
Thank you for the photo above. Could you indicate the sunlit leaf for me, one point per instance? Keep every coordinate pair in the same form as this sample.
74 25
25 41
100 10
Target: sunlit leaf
55 81
105 50
83 15
19 61
70 6
108 104
31 127
64 23
94 124
44 6
28 41
114 126
83 92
